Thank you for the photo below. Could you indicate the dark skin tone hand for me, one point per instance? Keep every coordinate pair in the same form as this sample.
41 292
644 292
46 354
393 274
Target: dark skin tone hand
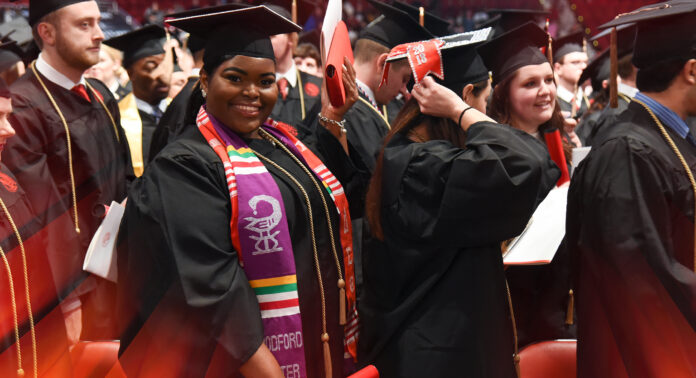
329 111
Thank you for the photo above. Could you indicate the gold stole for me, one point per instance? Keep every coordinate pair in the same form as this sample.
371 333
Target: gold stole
133 127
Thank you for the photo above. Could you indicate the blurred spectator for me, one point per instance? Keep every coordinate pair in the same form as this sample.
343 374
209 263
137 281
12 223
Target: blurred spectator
109 71
308 60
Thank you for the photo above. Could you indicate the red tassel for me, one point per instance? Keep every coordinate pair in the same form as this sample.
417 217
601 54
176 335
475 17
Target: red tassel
553 142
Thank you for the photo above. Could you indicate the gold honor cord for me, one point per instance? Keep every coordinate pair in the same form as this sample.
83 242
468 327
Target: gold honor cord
301 90
67 136
386 121
101 102
20 371
516 354
689 174
328 368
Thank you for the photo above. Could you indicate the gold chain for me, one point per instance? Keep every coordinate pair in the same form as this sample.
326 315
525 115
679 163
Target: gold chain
325 334
689 174
20 371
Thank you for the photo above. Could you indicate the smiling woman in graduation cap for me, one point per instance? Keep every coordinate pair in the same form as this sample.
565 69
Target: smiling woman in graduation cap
237 251
447 190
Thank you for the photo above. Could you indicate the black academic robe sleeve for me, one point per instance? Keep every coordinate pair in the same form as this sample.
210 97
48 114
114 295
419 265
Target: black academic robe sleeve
182 291
441 186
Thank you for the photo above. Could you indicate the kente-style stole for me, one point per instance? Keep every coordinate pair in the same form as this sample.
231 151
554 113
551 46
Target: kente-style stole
259 232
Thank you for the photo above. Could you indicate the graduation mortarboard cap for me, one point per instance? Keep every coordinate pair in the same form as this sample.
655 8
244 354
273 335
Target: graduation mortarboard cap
251 28
597 70
504 20
626 35
573 42
394 27
458 59
433 24
515 49
194 43
665 31
40 8
463 65
139 43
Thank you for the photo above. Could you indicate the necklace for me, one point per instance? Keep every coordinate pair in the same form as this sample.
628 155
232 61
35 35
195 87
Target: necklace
20 371
689 174
67 137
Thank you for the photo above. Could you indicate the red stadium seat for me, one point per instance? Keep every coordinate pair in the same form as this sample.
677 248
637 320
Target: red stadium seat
549 359
96 359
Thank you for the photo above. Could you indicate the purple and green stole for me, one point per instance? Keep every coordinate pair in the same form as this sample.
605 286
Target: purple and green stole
259 232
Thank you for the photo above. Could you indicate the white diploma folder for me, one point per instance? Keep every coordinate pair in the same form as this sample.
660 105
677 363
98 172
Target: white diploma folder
579 154
101 254
539 241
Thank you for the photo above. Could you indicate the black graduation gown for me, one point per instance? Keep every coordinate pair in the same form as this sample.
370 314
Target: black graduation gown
38 157
588 131
172 122
149 123
51 340
366 130
178 269
630 229
568 107
434 301
290 110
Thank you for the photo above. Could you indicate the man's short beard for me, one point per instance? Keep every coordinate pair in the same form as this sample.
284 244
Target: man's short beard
74 58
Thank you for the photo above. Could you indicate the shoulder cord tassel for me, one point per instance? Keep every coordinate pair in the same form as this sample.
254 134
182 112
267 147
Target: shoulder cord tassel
571 307
328 368
341 302
20 371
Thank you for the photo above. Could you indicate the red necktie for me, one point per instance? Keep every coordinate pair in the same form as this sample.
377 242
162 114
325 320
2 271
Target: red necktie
283 87
81 91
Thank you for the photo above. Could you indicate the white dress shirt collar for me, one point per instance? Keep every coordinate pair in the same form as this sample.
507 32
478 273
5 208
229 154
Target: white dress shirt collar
290 75
627 90
54 76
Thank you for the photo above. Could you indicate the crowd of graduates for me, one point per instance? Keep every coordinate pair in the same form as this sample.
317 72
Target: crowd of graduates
272 231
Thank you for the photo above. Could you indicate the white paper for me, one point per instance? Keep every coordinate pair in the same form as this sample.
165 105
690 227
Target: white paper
101 254
539 241
579 154
334 13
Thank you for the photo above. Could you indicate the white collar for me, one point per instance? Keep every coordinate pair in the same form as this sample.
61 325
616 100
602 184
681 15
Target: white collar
368 92
627 90
54 76
114 87
290 75
566 95
150 109
195 72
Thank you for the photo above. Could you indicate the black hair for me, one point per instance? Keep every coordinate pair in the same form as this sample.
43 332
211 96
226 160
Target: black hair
659 76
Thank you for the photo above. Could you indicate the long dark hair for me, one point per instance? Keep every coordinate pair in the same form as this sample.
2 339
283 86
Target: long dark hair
500 109
408 118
